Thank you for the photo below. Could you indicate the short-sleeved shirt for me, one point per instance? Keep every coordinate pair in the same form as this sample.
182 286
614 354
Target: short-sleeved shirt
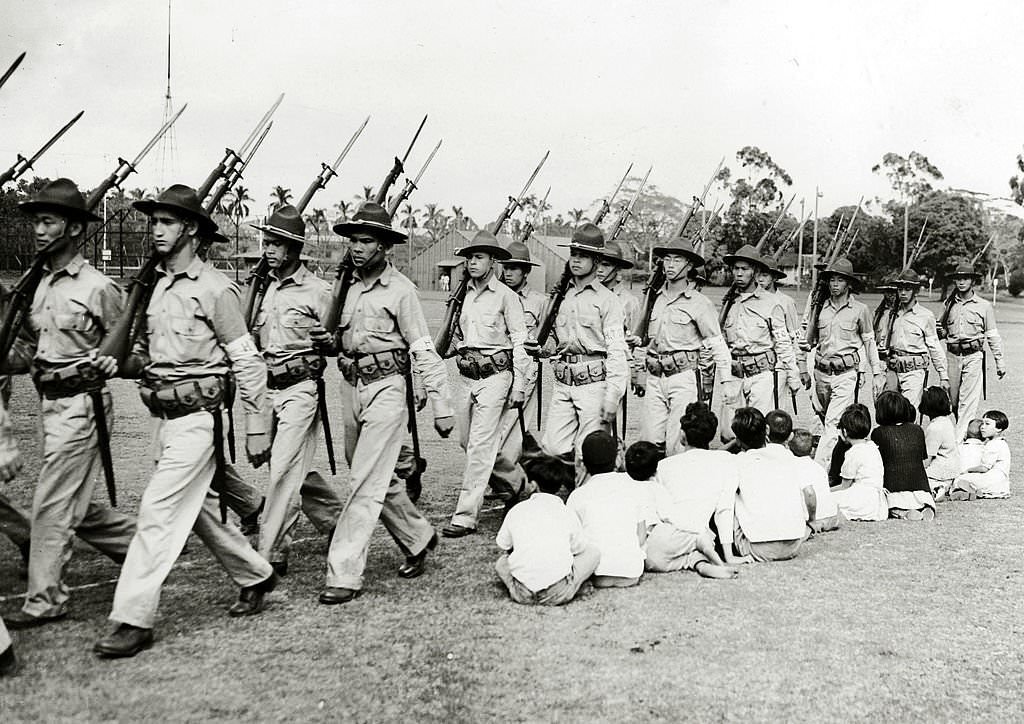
291 307
610 509
865 498
903 452
808 472
542 536
940 441
863 465
770 505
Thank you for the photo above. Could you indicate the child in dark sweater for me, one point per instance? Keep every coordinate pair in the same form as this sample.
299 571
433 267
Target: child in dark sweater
902 444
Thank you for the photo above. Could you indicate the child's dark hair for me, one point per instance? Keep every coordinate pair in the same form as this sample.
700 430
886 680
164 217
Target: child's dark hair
892 408
642 460
999 418
856 420
780 426
550 473
935 403
699 425
749 428
801 442
973 429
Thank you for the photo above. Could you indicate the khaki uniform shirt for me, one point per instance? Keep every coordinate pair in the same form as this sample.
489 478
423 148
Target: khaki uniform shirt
686 321
846 329
492 321
72 310
913 332
384 314
290 308
975 318
534 306
756 323
788 305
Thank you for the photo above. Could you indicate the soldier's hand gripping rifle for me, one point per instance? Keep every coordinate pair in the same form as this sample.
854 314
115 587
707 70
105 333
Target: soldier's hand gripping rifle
627 210
231 157
606 204
453 310
382 193
22 165
410 184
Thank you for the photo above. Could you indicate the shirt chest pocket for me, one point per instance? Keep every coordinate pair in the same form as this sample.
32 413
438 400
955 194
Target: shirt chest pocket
847 330
680 317
973 322
188 328
491 329
297 319
76 321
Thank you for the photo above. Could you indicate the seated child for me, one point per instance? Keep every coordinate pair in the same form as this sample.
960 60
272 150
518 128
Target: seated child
943 462
972 447
825 515
641 460
771 503
860 496
990 479
694 485
901 444
611 509
546 559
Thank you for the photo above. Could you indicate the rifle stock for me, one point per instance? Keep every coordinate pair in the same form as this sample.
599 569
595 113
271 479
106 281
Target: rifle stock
339 291
654 284
554 304
453 310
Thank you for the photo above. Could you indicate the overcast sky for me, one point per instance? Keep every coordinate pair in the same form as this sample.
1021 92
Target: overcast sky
825 87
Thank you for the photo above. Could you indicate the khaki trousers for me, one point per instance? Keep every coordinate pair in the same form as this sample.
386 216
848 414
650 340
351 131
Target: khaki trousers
965 388
5 638
240 495
14 522
561 592
909 384
177 501
759 391
480 438
835 393
63 500
574 413
375 425
665 402
507 475
291 457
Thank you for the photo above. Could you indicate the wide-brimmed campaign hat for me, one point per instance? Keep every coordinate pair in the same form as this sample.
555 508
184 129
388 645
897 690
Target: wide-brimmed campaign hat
842 267
746 253
180 200
908 278
587 237
613 253
965 269
285 223
774 268
519 253
484 241
695 275
62 196
371 218
682 246
887 284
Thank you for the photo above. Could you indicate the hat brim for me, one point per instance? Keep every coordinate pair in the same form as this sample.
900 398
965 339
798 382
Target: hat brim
280 233
32 207
693 256
496 252
148 206
853 278
976 276
347 228
522 262
731 259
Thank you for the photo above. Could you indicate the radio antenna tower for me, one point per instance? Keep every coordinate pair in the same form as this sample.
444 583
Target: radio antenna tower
167 145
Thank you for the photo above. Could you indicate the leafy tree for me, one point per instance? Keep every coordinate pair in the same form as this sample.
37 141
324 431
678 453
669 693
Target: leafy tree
342 207
910 177
280 196
1016 284
1017 183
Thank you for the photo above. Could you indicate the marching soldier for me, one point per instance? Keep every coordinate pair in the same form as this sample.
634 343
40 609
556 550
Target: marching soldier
608 272
295 301
489 338
382 332
768 279
914 344
683 322
508 479
590 366
966 324
195 335
844 328
756 331
73 309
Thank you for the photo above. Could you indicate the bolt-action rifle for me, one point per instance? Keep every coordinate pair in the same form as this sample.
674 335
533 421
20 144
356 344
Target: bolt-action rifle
231 157
396 170
22 165
411 184
627 210
606 204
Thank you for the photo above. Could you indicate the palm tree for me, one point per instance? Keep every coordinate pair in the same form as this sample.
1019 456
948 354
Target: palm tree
238 206
342 208
457 210
577 216
281 196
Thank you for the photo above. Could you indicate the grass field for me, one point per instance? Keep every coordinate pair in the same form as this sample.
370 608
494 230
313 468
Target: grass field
878 621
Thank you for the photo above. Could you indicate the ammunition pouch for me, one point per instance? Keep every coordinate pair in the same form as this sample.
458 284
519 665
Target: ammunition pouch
961 347
298 369
68 381
367 368
749 365
478 366
837 364
669 363
907 361
580 369
171 400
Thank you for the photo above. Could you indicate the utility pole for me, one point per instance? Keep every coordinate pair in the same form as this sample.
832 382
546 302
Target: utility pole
800 249
814 247
906 230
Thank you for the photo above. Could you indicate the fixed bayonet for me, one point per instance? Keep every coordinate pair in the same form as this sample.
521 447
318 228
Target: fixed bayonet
397 168
329 172
411 184
24 164
10 71
231 157
606 205
515 202
627 210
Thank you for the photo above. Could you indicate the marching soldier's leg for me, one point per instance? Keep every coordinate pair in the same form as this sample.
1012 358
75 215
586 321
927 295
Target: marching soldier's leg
291 456
682 390
970 390
240 495
762 391
507 476
321 502
169 509
955 373
14 523
375 418
656 422
589 400
5 638
403 520
563 422
107 530
841 389
488 397
912 385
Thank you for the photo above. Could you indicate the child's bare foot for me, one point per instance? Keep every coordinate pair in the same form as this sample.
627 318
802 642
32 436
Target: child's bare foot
914 515
706 546
959 495
928 514
712 570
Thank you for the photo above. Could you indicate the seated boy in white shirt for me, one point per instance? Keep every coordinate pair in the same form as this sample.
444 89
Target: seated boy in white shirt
696 484
973 446
610 507
824 515
546 558
771 510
